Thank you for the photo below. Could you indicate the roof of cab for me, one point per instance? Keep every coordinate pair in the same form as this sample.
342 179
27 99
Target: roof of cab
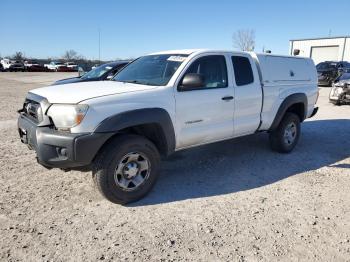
197 51
200 51
179 52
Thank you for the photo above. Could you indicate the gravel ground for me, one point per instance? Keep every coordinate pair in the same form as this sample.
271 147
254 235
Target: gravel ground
229 201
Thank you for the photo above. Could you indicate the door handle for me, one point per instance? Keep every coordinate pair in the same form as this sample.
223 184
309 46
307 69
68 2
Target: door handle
227 98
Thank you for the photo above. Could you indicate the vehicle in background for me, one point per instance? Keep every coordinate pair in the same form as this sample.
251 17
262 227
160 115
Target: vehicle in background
1 67
54 66
5 64
328 71
340 92
34 66
71 65
103 72
11 65
16 66
162 103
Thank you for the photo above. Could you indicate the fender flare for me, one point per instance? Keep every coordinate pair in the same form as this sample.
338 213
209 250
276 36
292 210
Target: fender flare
159 116
288 102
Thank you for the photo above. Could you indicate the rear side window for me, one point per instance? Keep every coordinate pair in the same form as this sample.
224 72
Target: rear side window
212 68
243 70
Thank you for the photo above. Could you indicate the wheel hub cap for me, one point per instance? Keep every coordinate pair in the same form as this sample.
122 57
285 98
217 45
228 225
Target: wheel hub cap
132 171
290 133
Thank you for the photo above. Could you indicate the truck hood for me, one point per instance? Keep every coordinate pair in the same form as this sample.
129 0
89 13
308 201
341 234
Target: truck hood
77 92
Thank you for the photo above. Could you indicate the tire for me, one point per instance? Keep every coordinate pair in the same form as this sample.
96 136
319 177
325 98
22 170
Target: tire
285 137
117 169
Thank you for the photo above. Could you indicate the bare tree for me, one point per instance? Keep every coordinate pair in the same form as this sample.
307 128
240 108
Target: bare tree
244 40
69 55
18 56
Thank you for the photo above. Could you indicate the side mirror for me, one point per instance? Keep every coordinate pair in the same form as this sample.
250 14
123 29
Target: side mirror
191 82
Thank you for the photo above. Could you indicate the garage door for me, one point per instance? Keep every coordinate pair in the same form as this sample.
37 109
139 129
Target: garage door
324 53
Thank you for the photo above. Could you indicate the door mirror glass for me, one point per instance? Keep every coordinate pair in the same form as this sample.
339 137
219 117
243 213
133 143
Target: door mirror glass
191 81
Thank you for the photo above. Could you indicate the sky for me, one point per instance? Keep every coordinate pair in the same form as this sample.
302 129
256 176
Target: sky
130 28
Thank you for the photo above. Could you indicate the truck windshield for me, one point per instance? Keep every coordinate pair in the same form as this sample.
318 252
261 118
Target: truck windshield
151 70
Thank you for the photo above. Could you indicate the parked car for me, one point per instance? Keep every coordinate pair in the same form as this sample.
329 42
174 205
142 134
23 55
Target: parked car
328 71
71 64
73 67
54 66
103 72
6 63
340 92
162 103
11 65
34 66
16 66
66 68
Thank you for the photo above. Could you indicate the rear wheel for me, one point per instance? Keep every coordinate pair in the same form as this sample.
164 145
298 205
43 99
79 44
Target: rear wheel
285 137
126 169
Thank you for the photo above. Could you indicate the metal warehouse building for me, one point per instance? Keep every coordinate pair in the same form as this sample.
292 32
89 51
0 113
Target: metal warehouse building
322 49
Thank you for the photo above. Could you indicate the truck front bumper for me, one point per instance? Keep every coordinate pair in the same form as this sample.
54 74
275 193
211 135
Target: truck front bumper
60 149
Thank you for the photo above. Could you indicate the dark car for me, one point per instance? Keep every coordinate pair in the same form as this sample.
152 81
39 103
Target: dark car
329 71
100 73
16 66
34 66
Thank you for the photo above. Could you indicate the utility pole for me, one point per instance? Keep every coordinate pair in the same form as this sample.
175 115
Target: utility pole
99 46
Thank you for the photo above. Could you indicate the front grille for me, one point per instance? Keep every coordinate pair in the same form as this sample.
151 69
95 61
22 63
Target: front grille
32 110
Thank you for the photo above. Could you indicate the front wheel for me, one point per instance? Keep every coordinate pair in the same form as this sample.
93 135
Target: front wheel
285 137
126 169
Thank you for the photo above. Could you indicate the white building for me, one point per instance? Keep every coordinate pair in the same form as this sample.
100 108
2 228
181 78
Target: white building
322 49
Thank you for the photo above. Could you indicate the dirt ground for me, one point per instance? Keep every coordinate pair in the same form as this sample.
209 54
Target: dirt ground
230 201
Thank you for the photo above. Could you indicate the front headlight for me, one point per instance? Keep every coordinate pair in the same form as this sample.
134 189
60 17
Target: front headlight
67 116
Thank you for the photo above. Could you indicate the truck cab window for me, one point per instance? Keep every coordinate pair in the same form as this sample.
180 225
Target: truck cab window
243 70
212 68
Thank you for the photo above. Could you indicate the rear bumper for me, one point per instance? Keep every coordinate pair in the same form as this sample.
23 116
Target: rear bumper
60 149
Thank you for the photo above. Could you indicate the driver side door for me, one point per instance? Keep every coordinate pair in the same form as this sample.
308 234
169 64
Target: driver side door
205 114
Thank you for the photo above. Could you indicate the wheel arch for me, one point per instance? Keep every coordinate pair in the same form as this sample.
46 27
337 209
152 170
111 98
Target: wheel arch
153 123
295 103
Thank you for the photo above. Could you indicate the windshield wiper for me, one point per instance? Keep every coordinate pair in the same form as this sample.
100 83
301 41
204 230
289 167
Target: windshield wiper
139 82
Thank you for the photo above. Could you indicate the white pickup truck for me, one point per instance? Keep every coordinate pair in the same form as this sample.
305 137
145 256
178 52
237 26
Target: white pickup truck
162 103
54 66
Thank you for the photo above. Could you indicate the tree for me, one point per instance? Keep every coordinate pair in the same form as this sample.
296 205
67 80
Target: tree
18 56
244 40
69 55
